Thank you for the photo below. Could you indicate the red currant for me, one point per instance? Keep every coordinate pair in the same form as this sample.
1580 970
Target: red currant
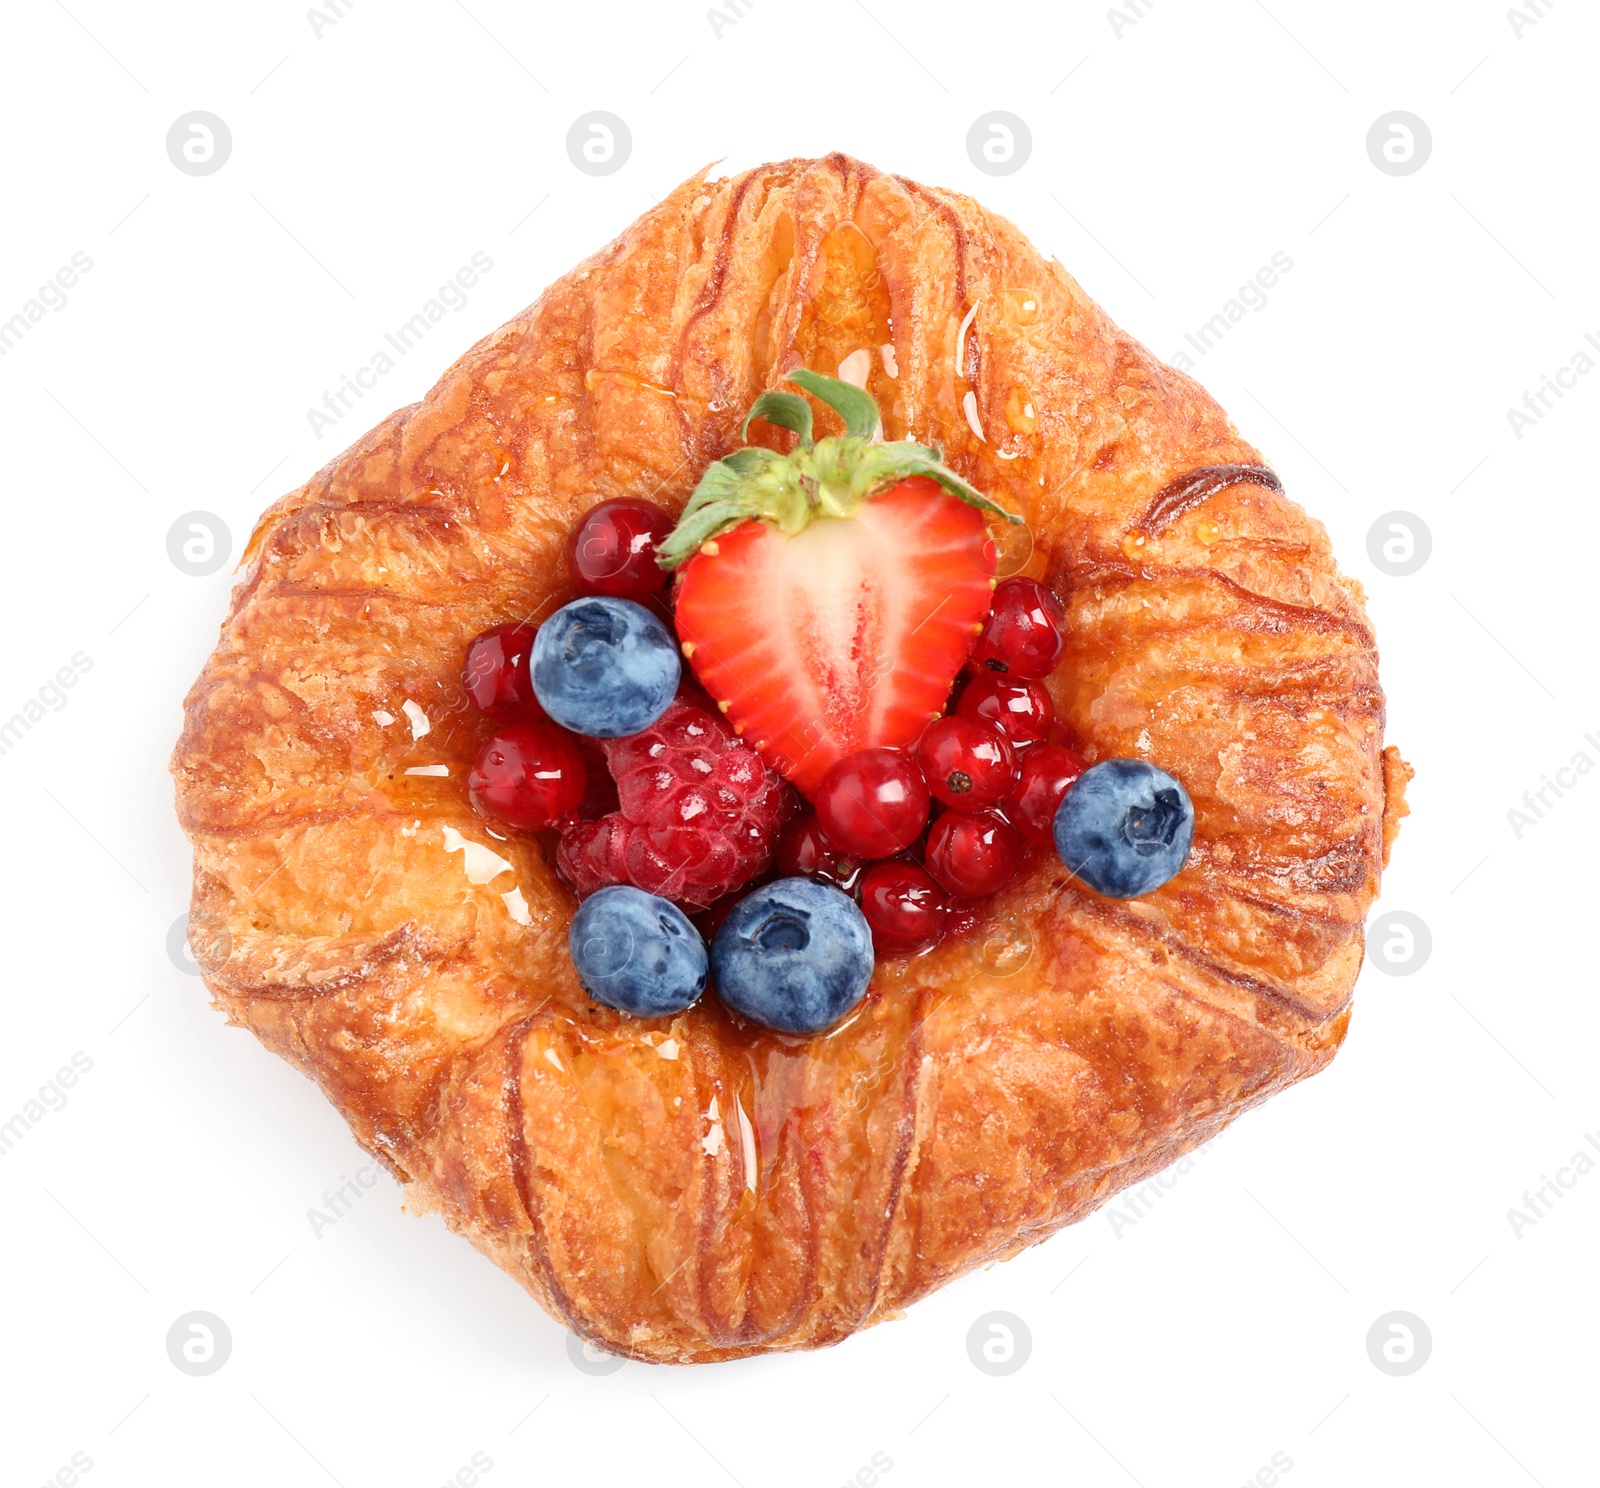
973 852
1024 635
873 803
1047 770
613 549
803 851
967 762
496 672
903 905
1020 705
528 775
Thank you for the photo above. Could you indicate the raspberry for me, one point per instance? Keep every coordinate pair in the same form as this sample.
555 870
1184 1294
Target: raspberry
697 813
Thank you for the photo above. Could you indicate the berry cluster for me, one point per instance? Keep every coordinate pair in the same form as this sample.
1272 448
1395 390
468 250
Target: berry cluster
830 645
657 801
986 770
676 806
681 809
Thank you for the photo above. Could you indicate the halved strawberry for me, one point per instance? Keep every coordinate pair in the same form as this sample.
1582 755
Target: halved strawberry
830 596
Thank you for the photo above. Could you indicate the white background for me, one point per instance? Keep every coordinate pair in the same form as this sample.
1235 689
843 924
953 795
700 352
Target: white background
1181 152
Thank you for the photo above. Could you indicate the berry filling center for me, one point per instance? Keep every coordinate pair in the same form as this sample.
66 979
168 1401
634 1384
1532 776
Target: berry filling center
829 600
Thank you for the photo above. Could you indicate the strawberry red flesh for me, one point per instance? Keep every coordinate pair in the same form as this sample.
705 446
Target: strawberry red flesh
844 636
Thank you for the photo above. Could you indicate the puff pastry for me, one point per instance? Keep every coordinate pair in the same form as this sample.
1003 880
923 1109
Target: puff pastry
698 1190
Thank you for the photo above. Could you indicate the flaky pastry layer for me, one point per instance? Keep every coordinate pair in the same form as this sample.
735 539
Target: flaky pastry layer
693 1189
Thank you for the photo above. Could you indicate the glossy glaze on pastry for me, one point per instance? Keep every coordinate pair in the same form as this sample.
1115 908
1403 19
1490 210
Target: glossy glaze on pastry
694 1189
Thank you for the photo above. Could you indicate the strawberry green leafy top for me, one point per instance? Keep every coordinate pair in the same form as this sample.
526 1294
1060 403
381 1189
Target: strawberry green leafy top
823 478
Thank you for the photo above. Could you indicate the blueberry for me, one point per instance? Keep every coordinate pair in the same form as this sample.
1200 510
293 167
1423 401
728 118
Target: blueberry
604 667
796 955
637 953
1124 827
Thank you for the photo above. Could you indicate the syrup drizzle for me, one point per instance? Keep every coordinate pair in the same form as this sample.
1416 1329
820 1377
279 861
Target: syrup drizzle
1188 491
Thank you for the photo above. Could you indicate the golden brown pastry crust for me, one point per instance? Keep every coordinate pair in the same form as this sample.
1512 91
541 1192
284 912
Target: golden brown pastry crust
755 1192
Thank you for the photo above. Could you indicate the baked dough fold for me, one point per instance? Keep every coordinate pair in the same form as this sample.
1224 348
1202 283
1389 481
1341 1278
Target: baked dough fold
696 1190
